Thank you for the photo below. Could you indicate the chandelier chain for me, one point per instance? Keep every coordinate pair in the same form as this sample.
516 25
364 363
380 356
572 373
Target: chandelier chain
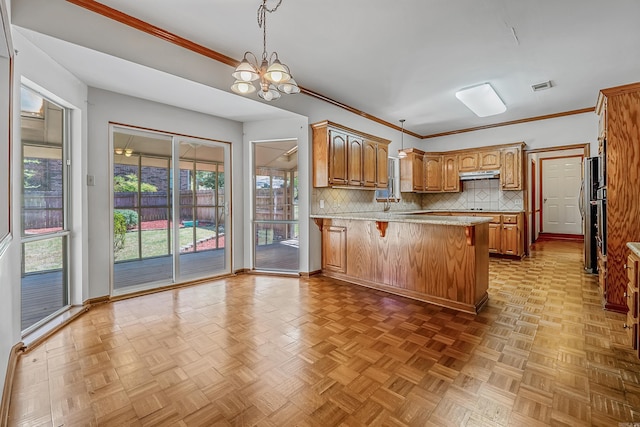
262 23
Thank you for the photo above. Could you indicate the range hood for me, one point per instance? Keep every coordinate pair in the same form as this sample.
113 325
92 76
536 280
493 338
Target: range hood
471 176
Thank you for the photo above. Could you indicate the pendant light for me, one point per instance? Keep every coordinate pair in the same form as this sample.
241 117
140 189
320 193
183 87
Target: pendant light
401 153
274 77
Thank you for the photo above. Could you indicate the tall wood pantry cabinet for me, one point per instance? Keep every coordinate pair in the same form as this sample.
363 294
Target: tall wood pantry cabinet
619 111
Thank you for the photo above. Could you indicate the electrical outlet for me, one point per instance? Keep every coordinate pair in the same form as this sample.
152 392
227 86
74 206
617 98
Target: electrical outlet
321 204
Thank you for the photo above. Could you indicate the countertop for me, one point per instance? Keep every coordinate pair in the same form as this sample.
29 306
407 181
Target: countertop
635 247
420 217
487 211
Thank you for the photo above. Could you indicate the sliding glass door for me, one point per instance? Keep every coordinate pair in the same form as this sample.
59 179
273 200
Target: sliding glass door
45 225
149 248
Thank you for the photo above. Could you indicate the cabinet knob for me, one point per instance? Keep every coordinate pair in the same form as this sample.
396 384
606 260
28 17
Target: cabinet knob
625 326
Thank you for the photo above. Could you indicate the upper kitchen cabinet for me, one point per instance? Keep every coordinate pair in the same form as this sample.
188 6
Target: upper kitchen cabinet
433 173
619 110
412 171
511 170
343 157
489 160
355 153
468 161
450 176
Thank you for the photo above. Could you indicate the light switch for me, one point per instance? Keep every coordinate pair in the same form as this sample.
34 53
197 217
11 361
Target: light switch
321 204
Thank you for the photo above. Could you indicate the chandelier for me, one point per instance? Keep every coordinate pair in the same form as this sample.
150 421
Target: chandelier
275 77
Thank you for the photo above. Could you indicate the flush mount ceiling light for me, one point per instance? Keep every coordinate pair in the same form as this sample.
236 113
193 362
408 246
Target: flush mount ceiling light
482 100
401 153
275 77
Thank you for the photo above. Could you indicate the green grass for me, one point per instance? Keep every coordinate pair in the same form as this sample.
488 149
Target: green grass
156 242
43 255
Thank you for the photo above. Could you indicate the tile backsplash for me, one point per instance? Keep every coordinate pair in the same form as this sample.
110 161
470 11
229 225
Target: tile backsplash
338 200
484 194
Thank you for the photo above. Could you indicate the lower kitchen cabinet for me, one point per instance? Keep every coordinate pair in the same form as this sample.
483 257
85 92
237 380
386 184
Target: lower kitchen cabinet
495 234
511 235
505 231
334 248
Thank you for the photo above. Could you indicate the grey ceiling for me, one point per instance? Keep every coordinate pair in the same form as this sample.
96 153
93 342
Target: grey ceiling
400 59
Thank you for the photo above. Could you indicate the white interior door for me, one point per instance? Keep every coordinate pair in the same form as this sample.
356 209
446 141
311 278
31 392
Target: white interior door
561 179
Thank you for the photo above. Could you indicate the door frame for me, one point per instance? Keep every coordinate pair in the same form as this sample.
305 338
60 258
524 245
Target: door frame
541 204
175 139
537 154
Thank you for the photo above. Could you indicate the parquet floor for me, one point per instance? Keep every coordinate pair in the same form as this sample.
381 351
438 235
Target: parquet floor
271 351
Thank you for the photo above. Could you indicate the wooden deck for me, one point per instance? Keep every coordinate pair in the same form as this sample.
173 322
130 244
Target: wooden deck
42 293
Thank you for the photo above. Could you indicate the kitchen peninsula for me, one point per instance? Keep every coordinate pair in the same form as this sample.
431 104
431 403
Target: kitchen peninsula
442 260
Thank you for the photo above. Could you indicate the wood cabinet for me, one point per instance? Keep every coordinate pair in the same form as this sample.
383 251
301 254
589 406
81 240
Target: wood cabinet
436 263
355 155
631 296
334 248
450 177
511 170
511 235
619 109
505 158
433 173
495 234
343 157
468 161
412 171
489 160
370 164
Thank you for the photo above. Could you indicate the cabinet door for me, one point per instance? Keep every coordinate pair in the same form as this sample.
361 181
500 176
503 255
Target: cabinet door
382 171
495 234
468 162
433 173
451 179
489 160
511 171
418 172
334 248
510 241
370 164
354 158
337 158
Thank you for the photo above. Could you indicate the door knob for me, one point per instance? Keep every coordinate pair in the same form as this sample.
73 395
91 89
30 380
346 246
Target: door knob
545 200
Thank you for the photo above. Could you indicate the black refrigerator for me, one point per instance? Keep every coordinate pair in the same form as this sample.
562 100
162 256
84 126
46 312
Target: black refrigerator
588 209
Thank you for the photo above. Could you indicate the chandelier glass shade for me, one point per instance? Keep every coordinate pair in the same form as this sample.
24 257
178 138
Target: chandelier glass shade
273 77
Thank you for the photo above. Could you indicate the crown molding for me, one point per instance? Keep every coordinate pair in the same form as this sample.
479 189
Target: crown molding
165 35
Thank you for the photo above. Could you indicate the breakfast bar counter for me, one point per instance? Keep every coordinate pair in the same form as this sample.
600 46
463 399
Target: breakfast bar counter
442 260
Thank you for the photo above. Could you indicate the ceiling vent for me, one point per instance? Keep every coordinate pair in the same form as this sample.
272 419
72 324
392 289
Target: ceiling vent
541 86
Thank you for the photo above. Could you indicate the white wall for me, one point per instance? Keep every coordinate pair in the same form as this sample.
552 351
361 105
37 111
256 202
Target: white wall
105 107
568 130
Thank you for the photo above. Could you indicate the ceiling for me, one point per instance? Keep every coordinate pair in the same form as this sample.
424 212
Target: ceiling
406 59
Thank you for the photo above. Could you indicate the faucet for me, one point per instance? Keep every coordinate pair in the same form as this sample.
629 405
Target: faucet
387 204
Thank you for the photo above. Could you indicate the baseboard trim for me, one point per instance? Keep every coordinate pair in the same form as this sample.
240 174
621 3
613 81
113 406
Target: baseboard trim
38 336
307 275
16 352
242 271
96 301
542 237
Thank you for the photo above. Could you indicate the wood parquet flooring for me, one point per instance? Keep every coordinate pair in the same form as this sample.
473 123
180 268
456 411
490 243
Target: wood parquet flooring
272 351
